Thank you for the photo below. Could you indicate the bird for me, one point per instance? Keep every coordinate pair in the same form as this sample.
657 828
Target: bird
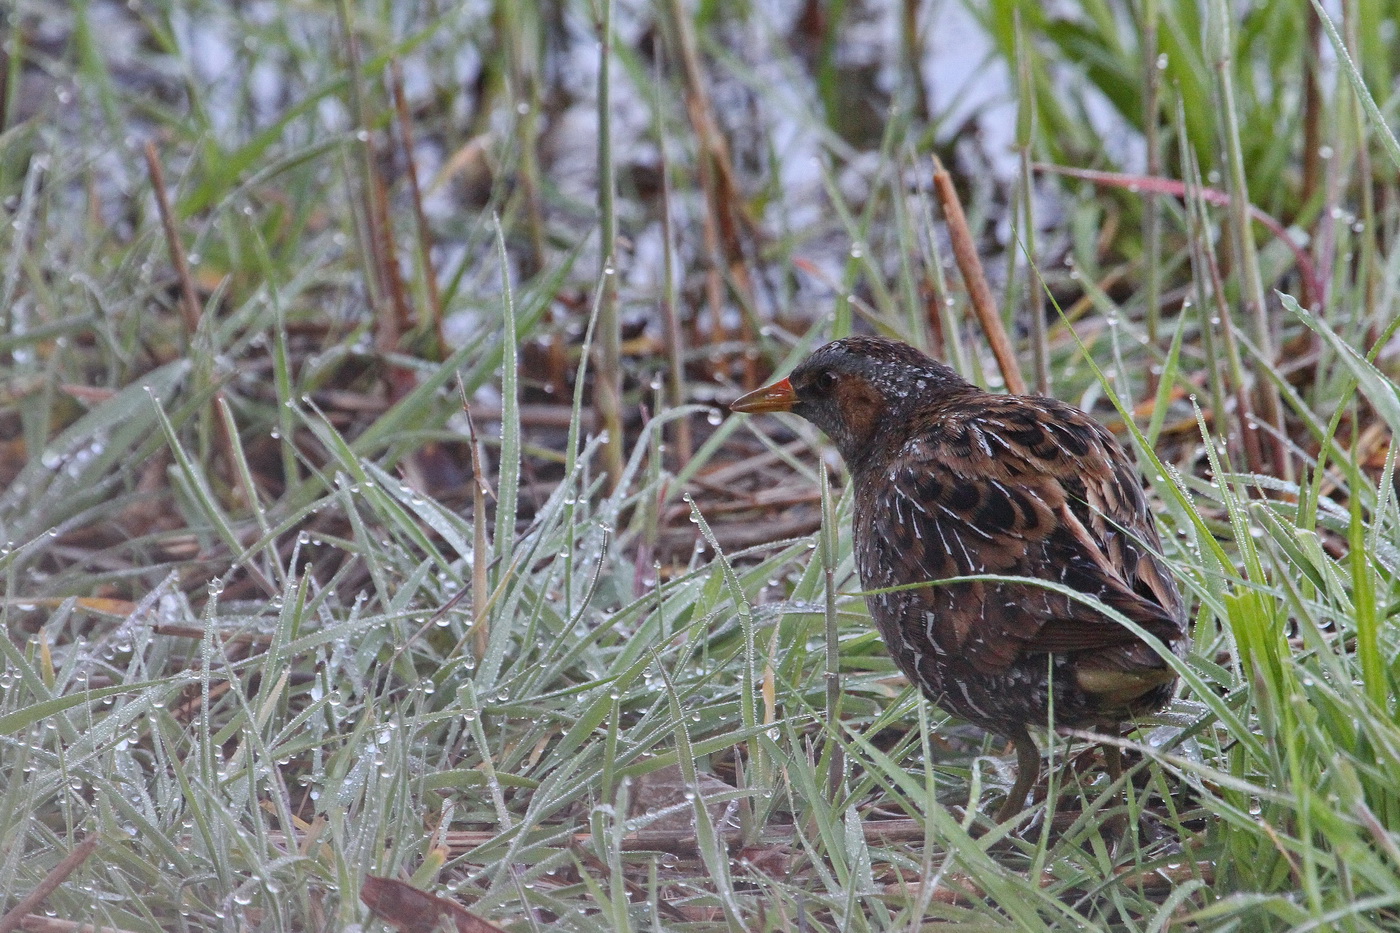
951 481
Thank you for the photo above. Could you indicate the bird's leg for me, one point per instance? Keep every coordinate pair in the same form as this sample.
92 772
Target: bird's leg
1027 770
1113 762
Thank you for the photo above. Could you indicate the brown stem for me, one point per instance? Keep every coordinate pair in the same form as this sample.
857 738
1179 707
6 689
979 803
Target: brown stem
189 300
1313 104
983 305
1312 283
717 179
392 319
56 876
425 235
190 309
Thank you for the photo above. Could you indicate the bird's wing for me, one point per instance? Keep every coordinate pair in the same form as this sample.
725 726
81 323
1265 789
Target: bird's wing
1034 489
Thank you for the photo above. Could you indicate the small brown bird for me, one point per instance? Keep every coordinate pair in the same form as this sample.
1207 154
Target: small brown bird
951 481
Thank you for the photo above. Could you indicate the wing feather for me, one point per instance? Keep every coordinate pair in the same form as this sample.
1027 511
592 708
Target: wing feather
1018 487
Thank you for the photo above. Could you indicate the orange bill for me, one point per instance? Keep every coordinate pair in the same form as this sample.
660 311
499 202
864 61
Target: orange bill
777 397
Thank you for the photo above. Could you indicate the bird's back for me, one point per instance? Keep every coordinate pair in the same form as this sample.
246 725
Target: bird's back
1015 486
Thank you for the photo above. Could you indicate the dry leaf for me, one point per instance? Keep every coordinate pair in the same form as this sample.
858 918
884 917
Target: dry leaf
414 911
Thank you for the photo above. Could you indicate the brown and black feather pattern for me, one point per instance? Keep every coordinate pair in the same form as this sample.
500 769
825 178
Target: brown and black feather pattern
951 481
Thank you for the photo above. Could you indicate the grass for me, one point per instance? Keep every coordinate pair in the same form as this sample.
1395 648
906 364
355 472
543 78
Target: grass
281 622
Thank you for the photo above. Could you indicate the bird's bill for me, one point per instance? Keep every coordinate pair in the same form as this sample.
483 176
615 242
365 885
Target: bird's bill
777 397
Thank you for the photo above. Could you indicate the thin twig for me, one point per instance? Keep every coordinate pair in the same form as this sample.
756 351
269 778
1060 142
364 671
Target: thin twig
1314 103
190 311
724 219
1312 284
393 319
189 300
56 876
983 304
425 234
38 923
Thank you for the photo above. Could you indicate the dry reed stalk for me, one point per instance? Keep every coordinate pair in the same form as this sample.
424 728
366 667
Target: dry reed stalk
56 876
983 304
725 223
420 218
191 312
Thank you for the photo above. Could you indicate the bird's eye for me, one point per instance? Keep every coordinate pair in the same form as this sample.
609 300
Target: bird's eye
824 381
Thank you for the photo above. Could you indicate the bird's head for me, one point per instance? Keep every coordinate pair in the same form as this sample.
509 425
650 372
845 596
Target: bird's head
856 388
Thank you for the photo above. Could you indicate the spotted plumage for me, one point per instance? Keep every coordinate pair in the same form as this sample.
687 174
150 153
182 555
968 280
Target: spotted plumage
951 481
